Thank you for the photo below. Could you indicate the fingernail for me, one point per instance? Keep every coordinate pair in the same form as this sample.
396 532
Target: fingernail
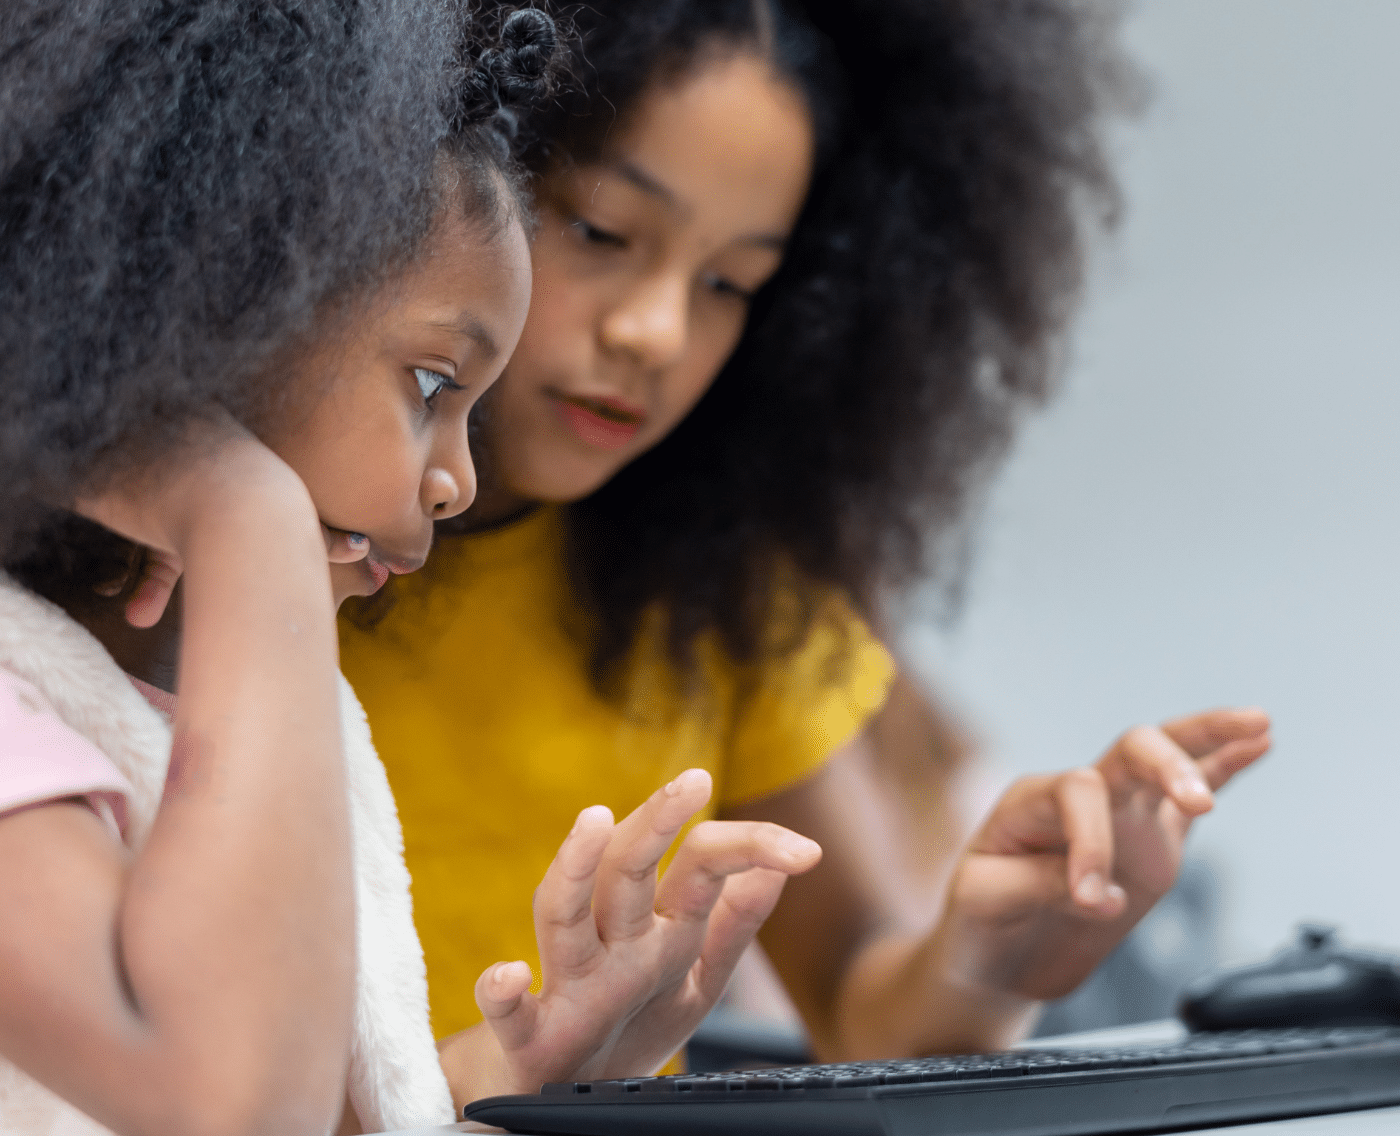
672 787
1191 787
356 540
1115 893
798 846
1091 889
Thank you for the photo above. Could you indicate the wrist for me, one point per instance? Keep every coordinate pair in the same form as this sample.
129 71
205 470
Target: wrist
249 498
474 1065
977 1012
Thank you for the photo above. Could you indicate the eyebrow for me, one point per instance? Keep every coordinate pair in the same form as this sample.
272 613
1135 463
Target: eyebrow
467 326
648 183
653 186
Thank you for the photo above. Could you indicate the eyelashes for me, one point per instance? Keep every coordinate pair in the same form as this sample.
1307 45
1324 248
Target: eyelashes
602 239
432 383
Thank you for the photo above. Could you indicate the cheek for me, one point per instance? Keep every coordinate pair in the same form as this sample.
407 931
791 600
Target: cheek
711 341
363 470
558 329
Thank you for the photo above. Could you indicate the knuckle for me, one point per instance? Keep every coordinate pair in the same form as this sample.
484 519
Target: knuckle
1142 739
1083 778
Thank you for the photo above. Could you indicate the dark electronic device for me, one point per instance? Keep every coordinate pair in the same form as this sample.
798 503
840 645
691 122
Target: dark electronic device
1313 982
1207 1079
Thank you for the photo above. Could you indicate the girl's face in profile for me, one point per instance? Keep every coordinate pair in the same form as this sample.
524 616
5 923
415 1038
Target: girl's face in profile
644 267
383 450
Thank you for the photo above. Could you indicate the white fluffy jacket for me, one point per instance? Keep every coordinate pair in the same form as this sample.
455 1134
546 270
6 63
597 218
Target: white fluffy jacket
395 1079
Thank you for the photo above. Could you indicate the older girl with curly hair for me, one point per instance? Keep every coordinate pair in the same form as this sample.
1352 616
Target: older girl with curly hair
802 267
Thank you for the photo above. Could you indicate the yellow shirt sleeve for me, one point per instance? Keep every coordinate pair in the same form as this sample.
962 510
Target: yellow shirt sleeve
805 707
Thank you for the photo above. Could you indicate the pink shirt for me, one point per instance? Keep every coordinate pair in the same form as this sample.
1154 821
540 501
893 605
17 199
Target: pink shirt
42 759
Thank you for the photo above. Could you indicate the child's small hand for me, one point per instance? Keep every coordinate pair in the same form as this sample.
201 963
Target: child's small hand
162 508
629 966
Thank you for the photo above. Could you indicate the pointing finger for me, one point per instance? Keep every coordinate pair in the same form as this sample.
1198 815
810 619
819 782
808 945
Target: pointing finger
1232 758
717 849
1201 734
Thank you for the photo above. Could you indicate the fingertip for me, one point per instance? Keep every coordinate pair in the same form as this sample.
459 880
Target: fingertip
1090 890
1192 794
799 851
508 980
1100 897
594 817
691 781
144 609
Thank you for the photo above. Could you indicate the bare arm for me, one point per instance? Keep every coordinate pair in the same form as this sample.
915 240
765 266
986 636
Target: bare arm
207 985
1022 919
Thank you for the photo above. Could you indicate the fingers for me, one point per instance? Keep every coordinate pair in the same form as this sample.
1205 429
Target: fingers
716 850
503 995
745 902
1229 759
625 896
1007 889
564 924
1202 734
152 595
344 547
1149 755
1086 817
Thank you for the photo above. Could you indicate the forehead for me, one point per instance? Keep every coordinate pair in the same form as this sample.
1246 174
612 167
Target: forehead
468 263
727 140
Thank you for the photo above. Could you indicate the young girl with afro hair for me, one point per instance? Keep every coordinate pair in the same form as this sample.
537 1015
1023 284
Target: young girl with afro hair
802 267
258 262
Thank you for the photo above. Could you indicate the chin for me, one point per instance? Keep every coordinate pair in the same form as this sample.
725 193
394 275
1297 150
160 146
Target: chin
561 483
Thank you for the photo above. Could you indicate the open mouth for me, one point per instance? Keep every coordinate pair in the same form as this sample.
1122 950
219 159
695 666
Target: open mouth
604 423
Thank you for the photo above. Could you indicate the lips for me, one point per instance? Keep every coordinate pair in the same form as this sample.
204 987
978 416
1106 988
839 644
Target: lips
606 423
379 566
379 573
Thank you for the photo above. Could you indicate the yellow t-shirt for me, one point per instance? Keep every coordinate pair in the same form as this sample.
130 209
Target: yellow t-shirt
494 738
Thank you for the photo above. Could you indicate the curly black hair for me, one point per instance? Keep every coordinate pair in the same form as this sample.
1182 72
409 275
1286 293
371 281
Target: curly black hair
188 189
920 309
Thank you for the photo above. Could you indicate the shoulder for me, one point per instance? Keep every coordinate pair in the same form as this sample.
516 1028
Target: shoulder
44 759
823 678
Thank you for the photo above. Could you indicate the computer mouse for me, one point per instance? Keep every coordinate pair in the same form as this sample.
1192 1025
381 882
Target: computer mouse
1312 982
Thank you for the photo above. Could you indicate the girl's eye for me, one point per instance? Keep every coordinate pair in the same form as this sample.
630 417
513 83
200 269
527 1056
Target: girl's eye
431 384
596 236
723 287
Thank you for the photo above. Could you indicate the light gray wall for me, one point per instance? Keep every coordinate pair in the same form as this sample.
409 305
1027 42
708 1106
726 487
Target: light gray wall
1211 512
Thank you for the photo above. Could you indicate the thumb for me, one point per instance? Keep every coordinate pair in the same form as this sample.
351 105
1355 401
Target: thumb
152 595
503 995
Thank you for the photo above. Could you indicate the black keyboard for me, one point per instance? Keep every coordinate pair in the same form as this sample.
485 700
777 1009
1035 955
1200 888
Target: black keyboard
1207 1079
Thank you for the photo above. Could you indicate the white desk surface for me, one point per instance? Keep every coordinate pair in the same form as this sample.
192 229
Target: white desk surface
1367 1122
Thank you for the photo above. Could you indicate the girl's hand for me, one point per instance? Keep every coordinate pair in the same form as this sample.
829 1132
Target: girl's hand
629 966
1067 864
155 510
160 508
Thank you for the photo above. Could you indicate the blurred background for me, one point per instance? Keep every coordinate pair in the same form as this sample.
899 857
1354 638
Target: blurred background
1210 511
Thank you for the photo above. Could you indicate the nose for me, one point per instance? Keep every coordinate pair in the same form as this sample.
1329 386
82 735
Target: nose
650 321
449 478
